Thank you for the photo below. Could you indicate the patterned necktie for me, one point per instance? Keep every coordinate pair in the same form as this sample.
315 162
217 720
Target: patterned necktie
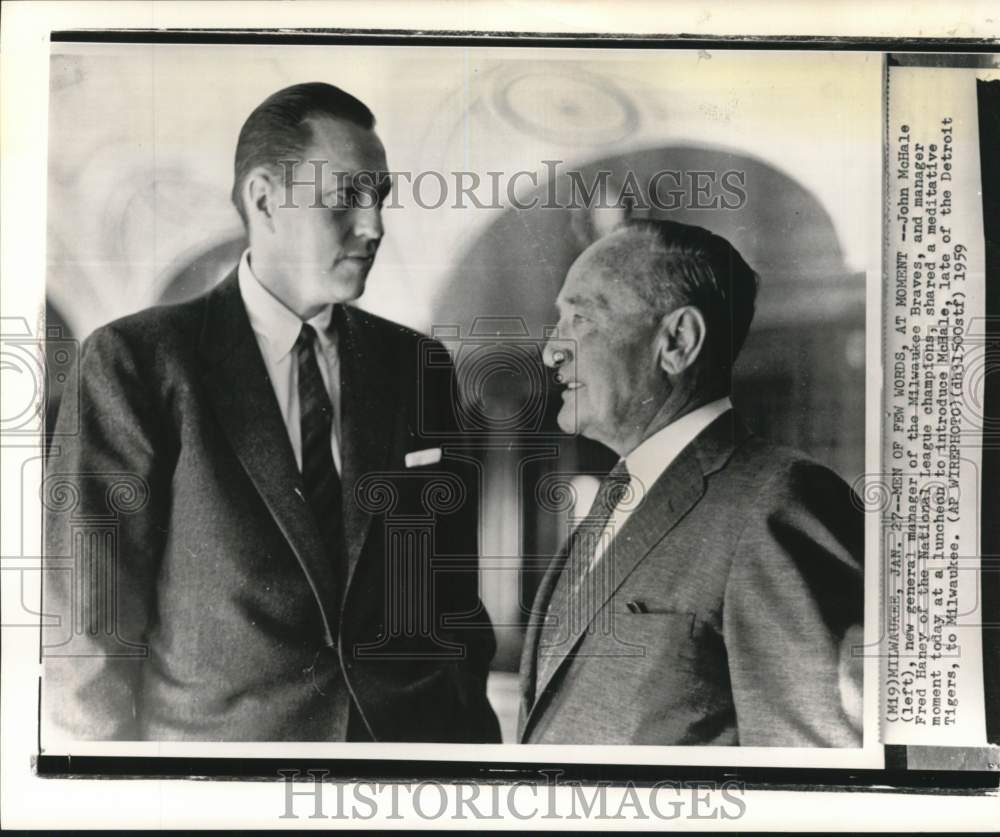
573 600
319 475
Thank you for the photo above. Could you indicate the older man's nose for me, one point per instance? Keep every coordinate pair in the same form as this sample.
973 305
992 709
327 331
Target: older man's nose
556 353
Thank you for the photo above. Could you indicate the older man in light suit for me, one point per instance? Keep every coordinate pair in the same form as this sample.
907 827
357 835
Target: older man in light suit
711 595
225 558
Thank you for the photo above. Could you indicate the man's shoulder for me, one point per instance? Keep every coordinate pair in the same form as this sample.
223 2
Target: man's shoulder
769 491
156 329
773 456
781 472
392 336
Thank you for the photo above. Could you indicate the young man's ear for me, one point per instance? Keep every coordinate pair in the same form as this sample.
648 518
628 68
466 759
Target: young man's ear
260 196
681 339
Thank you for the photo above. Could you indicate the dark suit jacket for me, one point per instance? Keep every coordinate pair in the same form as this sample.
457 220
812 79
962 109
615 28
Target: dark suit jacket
747 558
187 592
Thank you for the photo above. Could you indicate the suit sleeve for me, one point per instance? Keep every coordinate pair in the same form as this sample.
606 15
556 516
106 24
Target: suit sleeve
793 604
467 618
105 523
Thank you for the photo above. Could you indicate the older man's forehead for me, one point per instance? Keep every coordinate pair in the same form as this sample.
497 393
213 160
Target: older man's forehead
591 283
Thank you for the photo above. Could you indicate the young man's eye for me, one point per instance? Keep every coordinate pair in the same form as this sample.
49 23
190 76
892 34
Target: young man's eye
353 198
335 200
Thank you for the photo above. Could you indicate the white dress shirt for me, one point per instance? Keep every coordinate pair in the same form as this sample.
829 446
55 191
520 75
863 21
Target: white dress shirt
651 458
277 328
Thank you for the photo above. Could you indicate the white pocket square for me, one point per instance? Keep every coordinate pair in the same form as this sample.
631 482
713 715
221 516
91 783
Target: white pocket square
423 457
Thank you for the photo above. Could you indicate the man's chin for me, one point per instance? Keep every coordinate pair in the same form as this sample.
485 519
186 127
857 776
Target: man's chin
354 290
346 286
568 420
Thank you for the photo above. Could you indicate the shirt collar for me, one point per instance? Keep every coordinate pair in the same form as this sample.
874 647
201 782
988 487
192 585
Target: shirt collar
269 318
654 455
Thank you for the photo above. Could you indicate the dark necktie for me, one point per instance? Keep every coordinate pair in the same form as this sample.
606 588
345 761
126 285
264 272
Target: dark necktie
578 592
319 475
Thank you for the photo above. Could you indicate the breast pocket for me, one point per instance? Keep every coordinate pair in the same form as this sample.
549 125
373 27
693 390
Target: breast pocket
655 662
667 633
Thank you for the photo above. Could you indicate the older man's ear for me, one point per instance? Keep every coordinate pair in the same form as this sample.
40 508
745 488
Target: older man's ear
681 338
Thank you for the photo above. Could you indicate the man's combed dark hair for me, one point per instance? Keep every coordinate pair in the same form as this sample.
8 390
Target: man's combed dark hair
279 128
696 267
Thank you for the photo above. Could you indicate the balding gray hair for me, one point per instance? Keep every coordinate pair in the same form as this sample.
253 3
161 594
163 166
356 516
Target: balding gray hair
688 265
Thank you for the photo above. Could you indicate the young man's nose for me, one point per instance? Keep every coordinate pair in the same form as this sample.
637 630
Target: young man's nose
368 226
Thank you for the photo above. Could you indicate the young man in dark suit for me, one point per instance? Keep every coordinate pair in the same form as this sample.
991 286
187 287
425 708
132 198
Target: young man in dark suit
713 595
252 454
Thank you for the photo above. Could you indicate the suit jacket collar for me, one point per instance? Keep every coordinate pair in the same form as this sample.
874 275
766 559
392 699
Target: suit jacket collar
653 455
239 387
671 497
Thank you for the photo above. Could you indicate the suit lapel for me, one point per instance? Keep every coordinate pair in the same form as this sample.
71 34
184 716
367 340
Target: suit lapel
533 632
668 500
368 410
673 494
241 393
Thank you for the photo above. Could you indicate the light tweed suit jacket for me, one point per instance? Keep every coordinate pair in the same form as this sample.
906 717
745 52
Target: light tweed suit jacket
723 614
